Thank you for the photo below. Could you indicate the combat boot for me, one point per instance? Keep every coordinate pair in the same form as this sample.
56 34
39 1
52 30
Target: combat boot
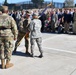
41 55
2 63
32 53
8 64
14 50
27 53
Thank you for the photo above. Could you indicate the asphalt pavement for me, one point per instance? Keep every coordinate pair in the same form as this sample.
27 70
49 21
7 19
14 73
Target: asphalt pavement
59 51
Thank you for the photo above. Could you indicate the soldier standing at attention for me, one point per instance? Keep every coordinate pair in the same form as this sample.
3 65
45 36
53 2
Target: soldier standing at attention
8 33
23 32
35 34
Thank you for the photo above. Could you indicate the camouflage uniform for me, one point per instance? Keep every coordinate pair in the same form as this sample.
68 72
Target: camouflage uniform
35 35
8 31
23 33
74 25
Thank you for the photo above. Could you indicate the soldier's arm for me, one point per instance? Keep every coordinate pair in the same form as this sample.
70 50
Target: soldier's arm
20 26
29 21
14 28
31 26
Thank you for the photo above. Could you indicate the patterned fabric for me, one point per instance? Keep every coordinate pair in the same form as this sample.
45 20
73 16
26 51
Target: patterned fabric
35 28
6 46
35 34
74 16
19 39
74 25
8 26
8 31
23 25
39 43
23 32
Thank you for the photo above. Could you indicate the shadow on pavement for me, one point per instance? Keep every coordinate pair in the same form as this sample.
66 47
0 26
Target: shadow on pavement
18 53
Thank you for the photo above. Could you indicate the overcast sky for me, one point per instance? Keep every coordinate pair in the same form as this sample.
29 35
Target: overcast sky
15 1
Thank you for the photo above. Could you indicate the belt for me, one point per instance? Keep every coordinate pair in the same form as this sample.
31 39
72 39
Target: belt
3 28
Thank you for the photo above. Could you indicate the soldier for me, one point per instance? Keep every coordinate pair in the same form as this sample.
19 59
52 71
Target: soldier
23 32
35 34
8 33
74 25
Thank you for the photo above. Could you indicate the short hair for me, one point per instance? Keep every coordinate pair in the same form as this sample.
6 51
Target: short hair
27 11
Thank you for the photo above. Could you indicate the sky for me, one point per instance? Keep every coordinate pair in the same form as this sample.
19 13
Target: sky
16 1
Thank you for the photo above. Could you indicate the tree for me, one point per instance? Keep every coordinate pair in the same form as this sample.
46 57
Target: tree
69 3
37 2
5 2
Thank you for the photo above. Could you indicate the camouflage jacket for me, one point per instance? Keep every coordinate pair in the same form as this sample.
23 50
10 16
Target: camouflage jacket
74 16
23 25
35 28
8 26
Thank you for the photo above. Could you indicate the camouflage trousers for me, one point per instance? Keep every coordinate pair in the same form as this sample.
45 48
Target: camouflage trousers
6 47
66 27
74 27
19 39
39 44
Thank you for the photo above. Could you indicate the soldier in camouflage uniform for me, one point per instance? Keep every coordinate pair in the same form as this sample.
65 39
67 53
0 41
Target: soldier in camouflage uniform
74 25
8 33
35 34
23 32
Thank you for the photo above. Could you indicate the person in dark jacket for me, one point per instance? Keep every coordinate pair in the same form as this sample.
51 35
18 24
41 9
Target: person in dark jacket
43 18
67 20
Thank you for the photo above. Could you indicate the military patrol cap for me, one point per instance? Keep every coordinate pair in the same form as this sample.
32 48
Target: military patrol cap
4 8
35 14
28 13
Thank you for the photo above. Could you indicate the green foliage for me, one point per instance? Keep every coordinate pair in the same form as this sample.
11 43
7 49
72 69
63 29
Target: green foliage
5 2
37 1
0 8
69 3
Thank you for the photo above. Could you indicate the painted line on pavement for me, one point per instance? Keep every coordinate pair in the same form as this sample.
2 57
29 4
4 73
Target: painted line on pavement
59 50
51 38
54 49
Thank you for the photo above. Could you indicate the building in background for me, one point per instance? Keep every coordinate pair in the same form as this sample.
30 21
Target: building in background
30 5
58 5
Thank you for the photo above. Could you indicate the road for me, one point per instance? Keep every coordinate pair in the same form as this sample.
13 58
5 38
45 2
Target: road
59 57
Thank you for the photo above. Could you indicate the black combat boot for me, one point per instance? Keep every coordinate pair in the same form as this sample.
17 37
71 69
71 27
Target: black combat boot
41 55
14 50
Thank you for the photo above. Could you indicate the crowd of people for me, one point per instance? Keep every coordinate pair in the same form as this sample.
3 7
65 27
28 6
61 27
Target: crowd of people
53 20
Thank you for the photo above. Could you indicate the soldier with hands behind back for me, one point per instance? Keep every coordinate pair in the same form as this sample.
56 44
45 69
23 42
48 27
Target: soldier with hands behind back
8 33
